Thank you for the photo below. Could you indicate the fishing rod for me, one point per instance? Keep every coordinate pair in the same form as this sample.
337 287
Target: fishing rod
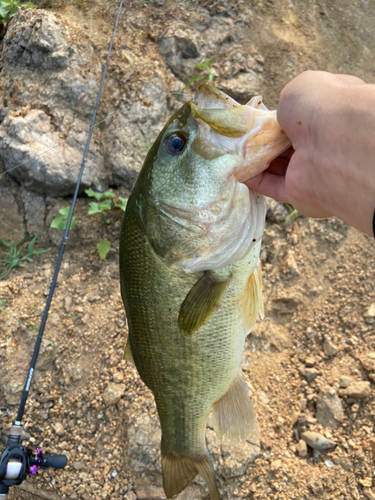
16 461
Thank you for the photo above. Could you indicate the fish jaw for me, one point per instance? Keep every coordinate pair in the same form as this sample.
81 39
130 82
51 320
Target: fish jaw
251 131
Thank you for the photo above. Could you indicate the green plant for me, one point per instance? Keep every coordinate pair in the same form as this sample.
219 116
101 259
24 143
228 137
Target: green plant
293 212
17 254
8 8
209 75
2 303
61 219
104 202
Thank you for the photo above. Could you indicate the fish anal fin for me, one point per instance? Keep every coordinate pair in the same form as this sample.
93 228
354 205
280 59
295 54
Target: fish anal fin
178 471
233 414
202 300
128 353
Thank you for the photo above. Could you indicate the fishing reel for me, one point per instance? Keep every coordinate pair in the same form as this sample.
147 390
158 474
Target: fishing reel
16 462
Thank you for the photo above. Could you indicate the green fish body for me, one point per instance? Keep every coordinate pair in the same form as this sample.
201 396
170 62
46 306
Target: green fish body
190 277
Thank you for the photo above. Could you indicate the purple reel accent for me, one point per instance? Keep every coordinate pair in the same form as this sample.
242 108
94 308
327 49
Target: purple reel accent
39 457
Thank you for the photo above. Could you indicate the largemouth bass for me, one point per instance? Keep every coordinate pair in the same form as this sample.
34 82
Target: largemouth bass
190 275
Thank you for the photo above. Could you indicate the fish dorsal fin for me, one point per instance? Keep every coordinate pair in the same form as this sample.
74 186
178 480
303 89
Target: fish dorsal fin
202 300
128 353
233 414
252 301
179 471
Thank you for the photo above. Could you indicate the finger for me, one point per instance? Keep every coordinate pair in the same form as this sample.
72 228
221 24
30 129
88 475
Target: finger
270 185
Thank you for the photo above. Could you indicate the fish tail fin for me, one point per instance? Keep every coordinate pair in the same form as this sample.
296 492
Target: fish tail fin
178 471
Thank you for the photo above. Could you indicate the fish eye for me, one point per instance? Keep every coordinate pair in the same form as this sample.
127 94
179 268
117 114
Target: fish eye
175 143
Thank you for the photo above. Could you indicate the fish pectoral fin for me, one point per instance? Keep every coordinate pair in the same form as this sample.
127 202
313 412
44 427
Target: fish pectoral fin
202 300
233 414
128 353
179 471
252 300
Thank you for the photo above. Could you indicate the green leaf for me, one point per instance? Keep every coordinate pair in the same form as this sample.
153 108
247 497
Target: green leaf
61 219
13 11
103 248
31 245
94 194
94 208
30 5
106 205
3 11
108 194
122 203
5 243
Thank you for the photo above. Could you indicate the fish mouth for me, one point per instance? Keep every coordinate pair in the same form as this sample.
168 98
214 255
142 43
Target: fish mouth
250 130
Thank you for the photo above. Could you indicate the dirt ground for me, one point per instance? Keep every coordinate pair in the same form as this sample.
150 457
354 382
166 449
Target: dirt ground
309 365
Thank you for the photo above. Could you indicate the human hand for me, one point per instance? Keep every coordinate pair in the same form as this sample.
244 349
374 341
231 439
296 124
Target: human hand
330 170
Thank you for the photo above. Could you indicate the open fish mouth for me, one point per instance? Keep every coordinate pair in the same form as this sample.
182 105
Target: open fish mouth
251 130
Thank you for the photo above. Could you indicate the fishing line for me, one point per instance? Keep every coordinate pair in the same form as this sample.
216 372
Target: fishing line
16 461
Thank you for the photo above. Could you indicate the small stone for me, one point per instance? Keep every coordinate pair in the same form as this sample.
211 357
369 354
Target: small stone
311 374
131 495
329 347
113 393
357 390
58 428
310 361
302 403
329 412
301 448
366 482
276 464
79 465
345 381
369 494
369 315
317 441
368 361
118 377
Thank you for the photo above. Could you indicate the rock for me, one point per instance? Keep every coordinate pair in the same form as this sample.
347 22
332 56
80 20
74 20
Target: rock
368 361
113 393
357 390
181 50
11 218
146 491
311 374
59 429
317 441
52 172
329 347
310 361
131 133
130 495
35 214
369 493
329 412
144 438
275 465
345 381
369 314
243 86
40 56
118 377
79 465
301 448
343 462
288 265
